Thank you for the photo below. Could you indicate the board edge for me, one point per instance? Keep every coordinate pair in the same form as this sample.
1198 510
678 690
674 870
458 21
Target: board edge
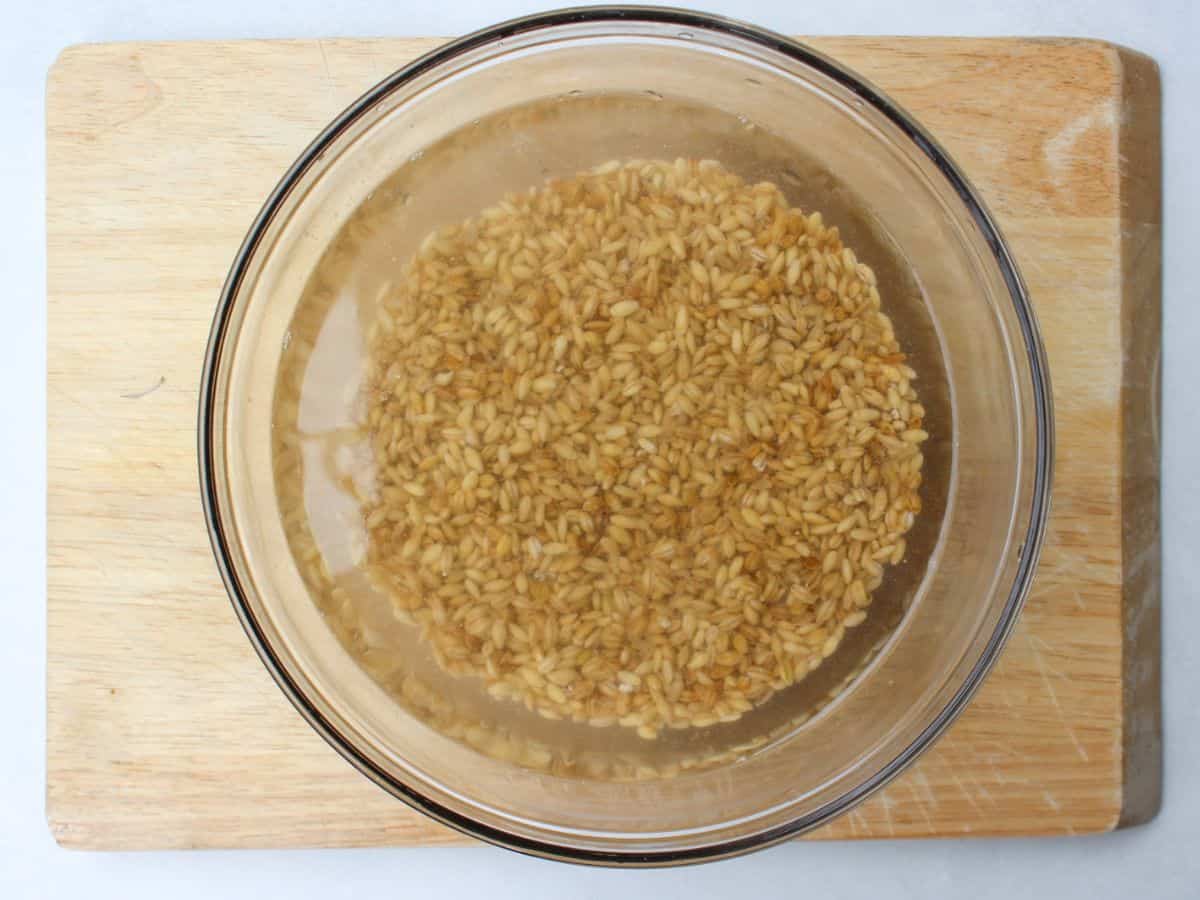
1139 156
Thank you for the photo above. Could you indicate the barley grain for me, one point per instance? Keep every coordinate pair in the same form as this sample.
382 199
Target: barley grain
644 442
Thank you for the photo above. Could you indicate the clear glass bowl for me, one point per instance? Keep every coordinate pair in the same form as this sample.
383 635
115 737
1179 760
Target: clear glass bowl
503 110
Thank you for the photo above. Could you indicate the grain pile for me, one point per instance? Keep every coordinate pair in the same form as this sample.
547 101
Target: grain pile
644 443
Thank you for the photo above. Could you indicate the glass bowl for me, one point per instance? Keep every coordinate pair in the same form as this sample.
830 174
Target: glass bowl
281 417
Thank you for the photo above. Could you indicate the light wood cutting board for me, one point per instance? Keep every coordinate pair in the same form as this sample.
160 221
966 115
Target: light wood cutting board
163 728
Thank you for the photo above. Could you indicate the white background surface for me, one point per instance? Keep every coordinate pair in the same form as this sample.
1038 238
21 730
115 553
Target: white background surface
1161 860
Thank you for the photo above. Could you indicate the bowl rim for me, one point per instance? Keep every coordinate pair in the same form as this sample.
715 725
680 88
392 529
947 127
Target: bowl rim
1029 549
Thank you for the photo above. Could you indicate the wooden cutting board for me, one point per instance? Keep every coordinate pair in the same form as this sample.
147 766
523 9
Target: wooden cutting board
164 730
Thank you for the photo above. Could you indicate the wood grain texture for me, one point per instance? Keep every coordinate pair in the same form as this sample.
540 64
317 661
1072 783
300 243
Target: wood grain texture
164 730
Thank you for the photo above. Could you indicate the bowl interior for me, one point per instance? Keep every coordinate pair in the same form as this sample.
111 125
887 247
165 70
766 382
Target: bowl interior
287 449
